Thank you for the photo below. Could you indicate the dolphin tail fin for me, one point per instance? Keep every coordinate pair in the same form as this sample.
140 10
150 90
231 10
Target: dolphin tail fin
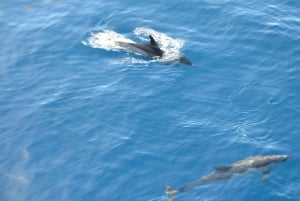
171 192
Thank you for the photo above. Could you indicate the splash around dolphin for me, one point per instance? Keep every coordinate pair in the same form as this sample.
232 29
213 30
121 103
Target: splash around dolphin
166 50
253 164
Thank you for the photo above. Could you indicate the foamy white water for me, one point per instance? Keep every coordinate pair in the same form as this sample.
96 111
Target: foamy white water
108 39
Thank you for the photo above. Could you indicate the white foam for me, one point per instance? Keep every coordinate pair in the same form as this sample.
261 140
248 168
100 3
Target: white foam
108 39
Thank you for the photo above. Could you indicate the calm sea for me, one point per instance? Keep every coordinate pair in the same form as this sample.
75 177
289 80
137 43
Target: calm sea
81 120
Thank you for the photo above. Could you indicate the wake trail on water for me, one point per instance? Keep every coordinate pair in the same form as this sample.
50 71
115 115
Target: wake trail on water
108 40
161 198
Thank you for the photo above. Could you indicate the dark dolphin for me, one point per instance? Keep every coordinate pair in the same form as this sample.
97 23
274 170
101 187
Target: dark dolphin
248 165
150 50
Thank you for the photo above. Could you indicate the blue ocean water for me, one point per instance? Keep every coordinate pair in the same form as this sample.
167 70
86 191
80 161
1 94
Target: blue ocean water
79 122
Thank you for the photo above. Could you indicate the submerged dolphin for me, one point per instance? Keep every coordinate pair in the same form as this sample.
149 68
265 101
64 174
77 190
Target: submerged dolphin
150 50
248 165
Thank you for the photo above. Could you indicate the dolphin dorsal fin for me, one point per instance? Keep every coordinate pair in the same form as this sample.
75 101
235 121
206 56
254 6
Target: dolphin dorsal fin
222 168
152 41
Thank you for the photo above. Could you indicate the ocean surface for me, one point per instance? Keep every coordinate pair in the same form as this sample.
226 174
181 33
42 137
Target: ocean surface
83 120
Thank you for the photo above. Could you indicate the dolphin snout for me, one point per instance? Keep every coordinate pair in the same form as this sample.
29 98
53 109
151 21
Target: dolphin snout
285 157
185 61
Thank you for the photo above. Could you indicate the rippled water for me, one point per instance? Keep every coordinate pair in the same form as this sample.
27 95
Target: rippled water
79 122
